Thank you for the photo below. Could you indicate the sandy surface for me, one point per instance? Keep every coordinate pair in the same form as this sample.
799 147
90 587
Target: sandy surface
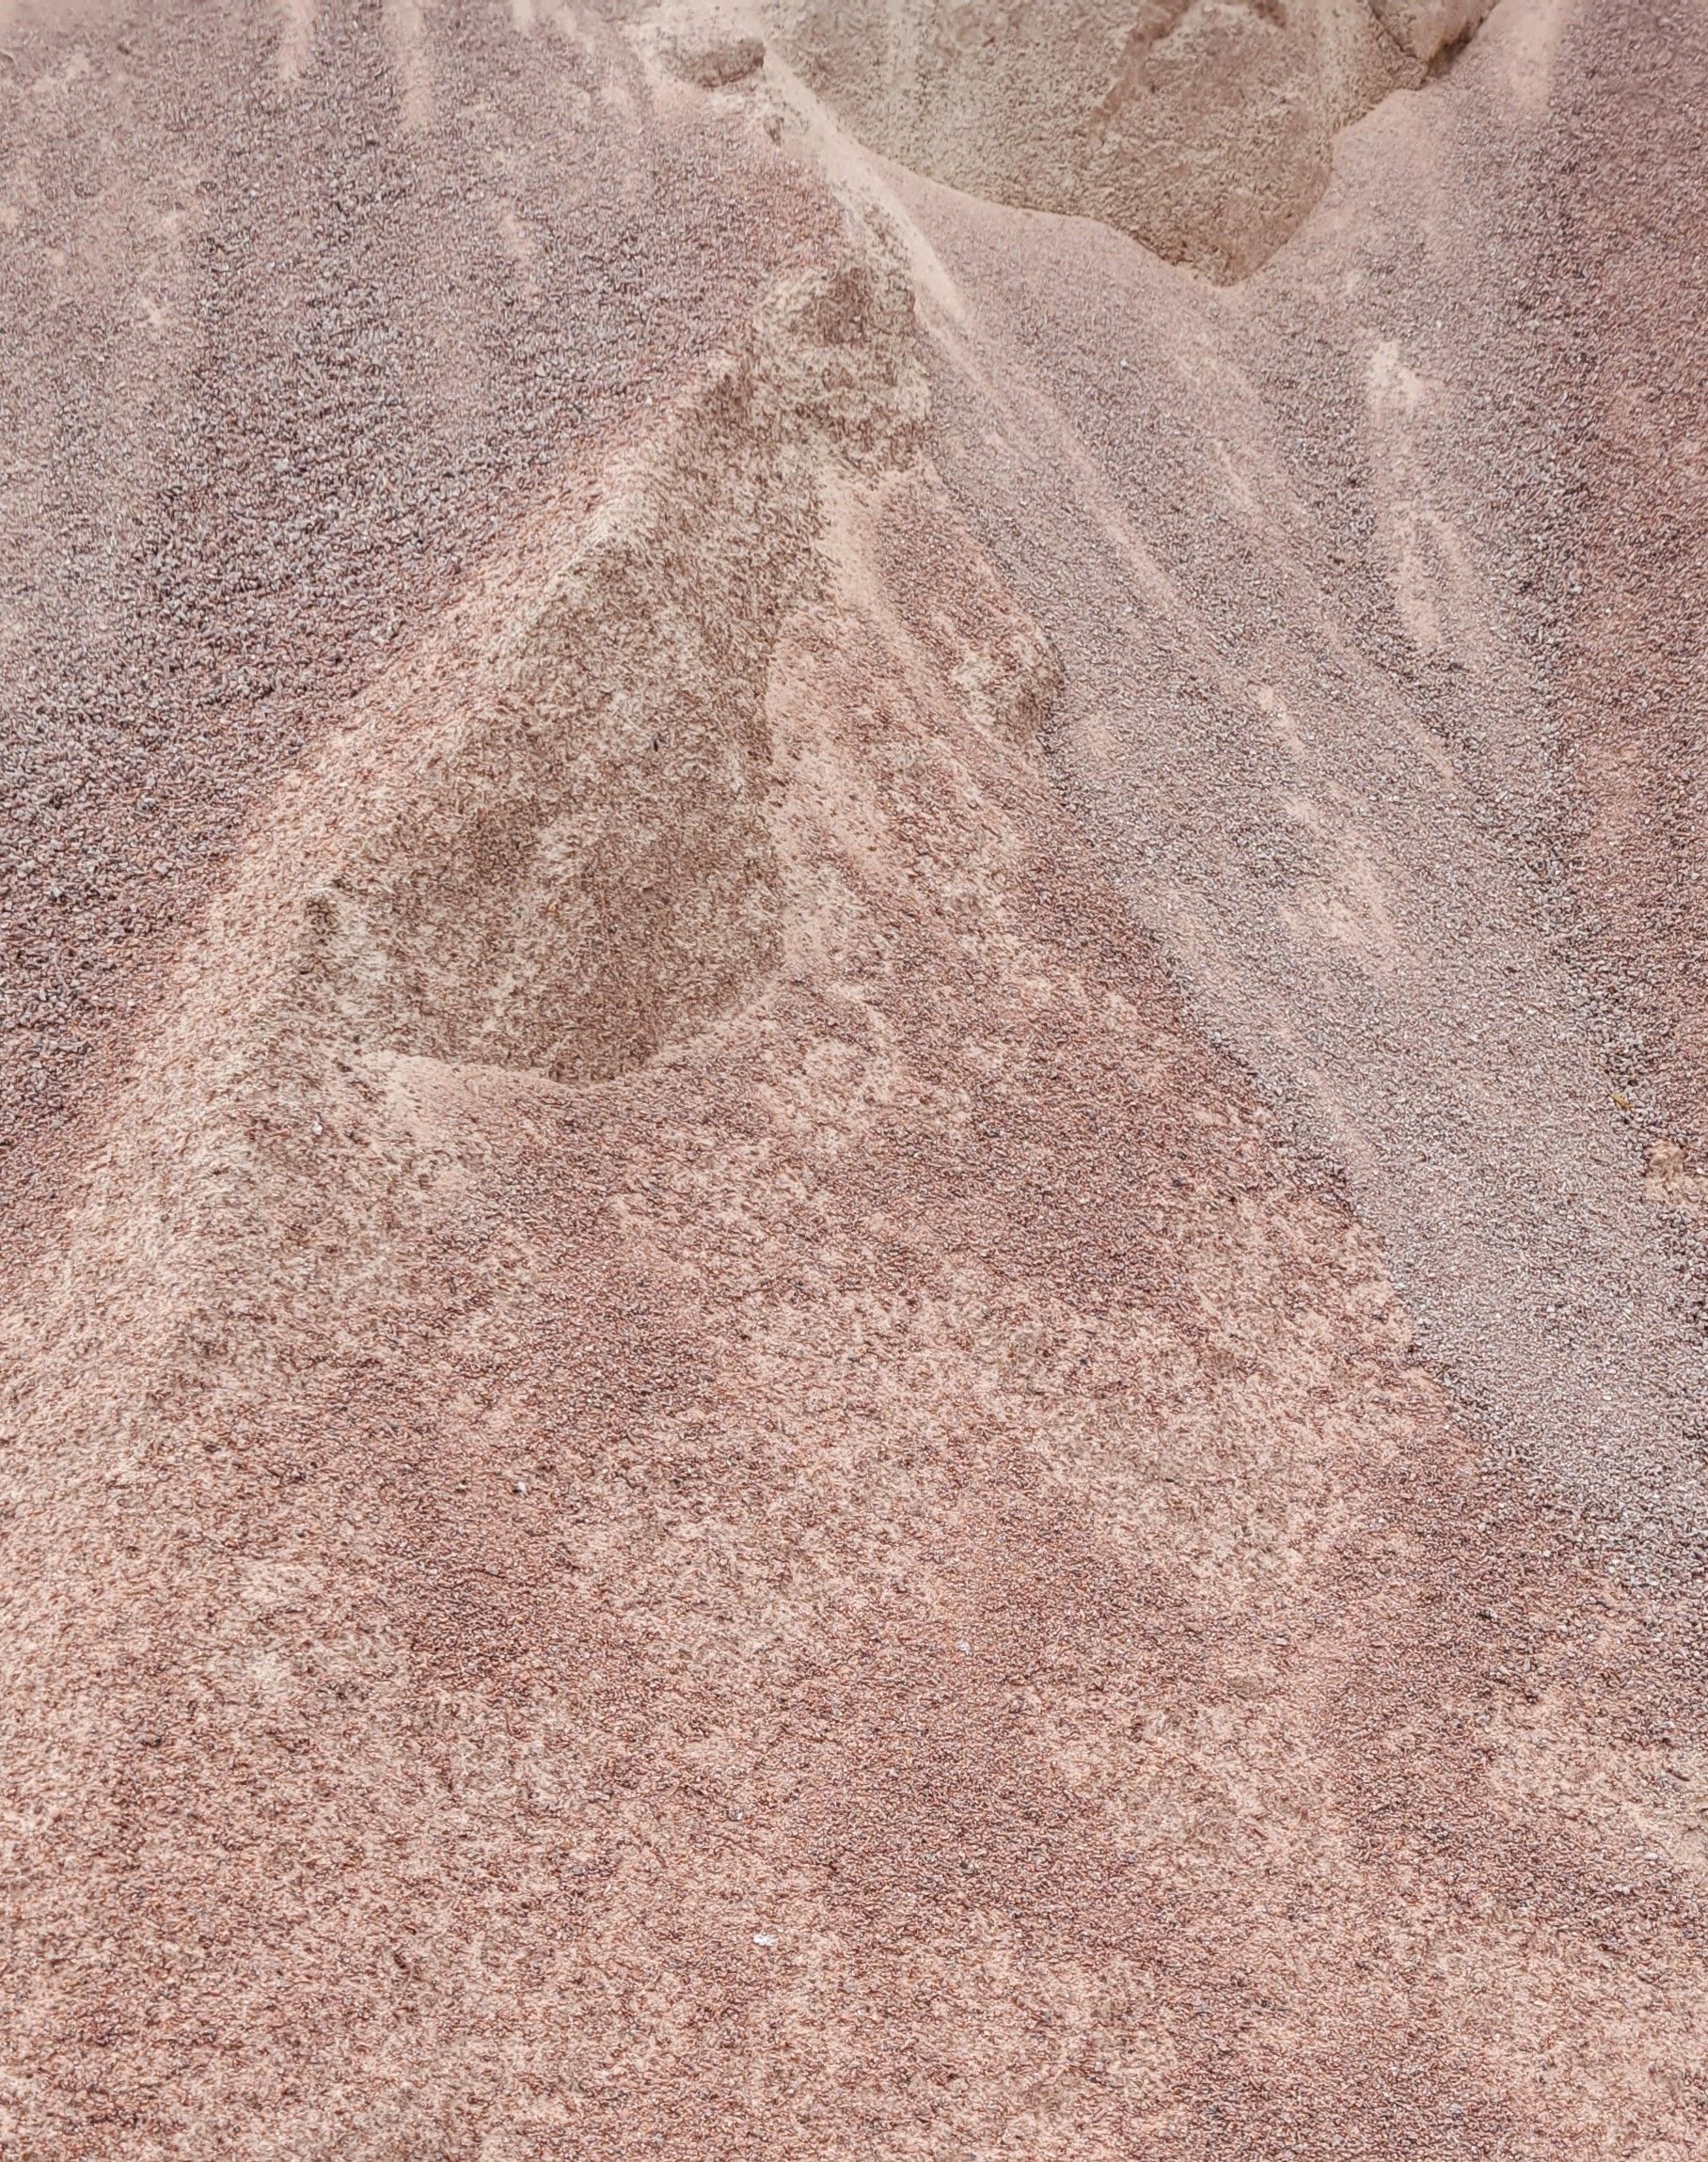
1207 132
1309 558
853 1091
302 307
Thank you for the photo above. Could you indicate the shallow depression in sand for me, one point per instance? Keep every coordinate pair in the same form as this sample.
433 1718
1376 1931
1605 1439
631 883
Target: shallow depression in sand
580 866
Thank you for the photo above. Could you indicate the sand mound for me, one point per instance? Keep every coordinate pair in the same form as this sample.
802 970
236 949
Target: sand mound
1203 128
551 1618
719 1457
576 866
543 843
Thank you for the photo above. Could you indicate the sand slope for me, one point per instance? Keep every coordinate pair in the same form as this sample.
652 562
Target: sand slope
853 1351
1203 128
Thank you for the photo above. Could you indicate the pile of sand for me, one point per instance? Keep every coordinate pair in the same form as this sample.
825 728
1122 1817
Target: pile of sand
867 1338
